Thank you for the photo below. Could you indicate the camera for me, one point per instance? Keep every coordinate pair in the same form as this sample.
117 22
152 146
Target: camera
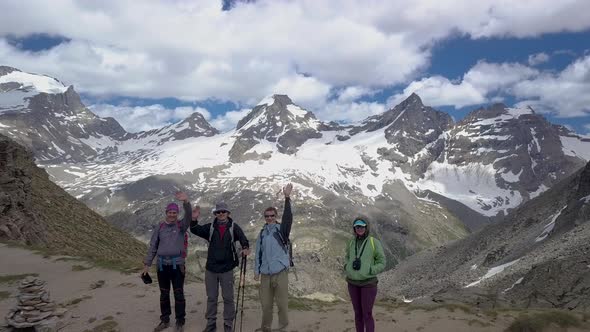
356 264
146 278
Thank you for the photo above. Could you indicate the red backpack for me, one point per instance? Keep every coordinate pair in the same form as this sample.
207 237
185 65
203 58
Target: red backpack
185 247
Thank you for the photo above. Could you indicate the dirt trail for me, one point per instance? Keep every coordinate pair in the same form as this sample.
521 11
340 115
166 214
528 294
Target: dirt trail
126 304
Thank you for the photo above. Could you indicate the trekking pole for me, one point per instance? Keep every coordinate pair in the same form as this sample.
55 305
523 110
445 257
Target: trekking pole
240 282
245 261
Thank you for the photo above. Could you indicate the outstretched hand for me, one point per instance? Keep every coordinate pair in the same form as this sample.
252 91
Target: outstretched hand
287 189
182 196
196 213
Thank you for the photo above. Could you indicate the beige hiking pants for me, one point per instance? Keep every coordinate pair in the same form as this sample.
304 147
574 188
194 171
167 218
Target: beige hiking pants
274 288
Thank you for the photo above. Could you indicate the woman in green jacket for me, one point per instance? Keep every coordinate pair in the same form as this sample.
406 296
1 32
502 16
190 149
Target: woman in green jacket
364 260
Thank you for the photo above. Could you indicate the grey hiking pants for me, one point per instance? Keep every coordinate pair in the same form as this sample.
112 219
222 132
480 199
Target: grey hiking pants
212 282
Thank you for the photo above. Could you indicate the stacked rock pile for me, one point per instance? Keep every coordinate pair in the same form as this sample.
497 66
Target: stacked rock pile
34 307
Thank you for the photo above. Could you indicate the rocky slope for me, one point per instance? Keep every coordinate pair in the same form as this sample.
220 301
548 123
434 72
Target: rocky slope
537 257
36 212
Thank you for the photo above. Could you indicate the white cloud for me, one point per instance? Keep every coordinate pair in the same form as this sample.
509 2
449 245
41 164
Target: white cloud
195 51
141 118
305 91
314 51
349 112
564 94
229 120
490 77
440 91
538 58
352 93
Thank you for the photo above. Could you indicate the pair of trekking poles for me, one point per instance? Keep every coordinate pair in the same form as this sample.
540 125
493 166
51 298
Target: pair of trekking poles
242 287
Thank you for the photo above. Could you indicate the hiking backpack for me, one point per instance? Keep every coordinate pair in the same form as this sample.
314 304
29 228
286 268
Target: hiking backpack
185 245
285 244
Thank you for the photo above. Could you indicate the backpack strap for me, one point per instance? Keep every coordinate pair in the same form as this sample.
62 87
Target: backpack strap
231 234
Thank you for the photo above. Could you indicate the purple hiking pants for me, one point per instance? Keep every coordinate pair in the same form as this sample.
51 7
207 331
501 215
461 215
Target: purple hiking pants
363 299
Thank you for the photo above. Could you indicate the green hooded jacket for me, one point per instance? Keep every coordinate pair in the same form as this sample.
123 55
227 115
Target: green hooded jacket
372 260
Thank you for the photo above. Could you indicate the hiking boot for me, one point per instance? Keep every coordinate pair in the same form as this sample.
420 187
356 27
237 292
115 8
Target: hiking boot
179 327
227 328
162 326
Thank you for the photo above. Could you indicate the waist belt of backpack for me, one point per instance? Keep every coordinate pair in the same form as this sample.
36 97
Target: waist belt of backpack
175 260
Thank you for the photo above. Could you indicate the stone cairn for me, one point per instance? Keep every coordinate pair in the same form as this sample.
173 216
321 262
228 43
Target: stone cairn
34 307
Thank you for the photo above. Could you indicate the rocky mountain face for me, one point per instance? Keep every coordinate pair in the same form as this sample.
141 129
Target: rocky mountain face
537 257
193 126
18 222
50 119
35 211
421 179
276 120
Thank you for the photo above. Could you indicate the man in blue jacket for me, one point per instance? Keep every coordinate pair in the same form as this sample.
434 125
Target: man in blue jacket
272 263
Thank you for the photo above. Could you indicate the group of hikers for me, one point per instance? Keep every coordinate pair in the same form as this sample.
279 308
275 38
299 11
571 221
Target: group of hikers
364 260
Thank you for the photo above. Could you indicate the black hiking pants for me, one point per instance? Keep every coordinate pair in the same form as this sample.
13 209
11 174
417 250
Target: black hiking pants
175 276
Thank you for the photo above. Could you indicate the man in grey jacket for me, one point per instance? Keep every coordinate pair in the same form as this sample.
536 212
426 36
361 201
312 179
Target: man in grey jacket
168 243
272 263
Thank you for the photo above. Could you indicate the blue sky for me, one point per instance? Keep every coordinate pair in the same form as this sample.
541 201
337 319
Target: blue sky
340 59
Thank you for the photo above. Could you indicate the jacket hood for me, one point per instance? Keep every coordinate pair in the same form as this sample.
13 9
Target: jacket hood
366 222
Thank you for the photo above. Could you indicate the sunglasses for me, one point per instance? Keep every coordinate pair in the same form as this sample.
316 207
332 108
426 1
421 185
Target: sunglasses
220 212
269 216
357 226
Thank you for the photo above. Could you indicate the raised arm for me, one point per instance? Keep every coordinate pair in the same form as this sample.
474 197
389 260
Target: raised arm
186 204
287 218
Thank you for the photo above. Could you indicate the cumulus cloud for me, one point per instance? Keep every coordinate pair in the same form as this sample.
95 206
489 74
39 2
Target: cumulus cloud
564 94
196 51
306 91
483 83
539 58
141 118
229 120
440 91
349 112
325 55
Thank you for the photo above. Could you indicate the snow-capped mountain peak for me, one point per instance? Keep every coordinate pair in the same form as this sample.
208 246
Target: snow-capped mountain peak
14 79
193 126
276 120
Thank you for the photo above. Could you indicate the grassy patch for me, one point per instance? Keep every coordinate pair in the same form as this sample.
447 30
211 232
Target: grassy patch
68 259
452 307
541 320
77 300
121 263
8 279
299 304
4 295
477 322
80 268
302 304
108 326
